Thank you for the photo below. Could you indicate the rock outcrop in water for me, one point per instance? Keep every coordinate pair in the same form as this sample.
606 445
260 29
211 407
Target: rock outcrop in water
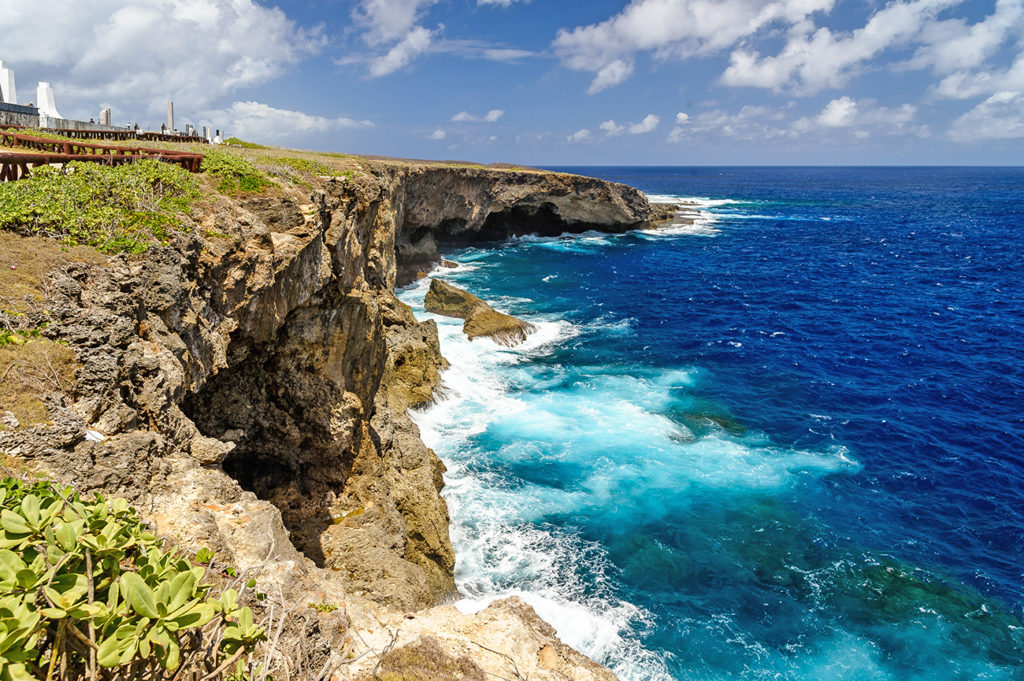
482 320
248 391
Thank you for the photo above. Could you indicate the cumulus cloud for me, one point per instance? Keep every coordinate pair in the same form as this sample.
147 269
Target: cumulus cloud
388 21
813 60
438 134
579 136
670 29
648 124
1001 116
952 45
415 43
104 50
681 118
267 124
613 129
862 117
967 84
751 123
813 57
491 116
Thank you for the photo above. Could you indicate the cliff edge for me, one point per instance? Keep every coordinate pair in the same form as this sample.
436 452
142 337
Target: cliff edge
246 385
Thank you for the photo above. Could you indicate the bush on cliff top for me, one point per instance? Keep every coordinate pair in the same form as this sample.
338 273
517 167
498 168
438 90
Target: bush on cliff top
114 208
87 592
235 173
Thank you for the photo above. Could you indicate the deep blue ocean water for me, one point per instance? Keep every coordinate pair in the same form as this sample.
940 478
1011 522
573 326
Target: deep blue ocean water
783 442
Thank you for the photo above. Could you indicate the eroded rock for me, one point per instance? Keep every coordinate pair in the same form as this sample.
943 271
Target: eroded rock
481 319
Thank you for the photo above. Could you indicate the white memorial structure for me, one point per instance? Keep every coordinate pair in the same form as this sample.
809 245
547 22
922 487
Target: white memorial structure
44 100
7 92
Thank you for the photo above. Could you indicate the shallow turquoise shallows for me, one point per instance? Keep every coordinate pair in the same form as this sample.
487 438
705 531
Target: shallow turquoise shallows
785 441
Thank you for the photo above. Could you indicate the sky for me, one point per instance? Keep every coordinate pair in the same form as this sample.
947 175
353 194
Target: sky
549 82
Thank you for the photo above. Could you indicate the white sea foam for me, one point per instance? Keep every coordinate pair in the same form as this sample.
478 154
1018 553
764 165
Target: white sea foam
607 434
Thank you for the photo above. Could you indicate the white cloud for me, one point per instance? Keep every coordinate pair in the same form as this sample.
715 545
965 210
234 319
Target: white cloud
751 123
611 74
671 29
681 118
506 54
137 54
491 116
839 113
388 21
579 136
967 84
1001 116
611 128
415 43
648 124
265 124
811 61
438 134
951 45
862 117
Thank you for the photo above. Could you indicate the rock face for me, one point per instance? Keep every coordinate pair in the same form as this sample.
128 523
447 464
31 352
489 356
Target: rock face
481 319
251 388
464 205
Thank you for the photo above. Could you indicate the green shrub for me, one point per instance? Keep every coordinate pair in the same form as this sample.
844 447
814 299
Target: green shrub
84 583
113 208
236 174
236 142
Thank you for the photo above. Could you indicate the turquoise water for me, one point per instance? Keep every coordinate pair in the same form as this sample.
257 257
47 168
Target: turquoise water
783 442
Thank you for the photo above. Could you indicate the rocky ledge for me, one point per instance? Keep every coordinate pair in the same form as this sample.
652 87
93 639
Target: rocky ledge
482 320
247 390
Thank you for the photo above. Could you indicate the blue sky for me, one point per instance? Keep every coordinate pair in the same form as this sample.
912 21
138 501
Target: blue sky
669 82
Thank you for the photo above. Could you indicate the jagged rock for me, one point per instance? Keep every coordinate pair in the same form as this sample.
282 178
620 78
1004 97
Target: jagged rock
519 644
451 301
252 389
481 319
450 264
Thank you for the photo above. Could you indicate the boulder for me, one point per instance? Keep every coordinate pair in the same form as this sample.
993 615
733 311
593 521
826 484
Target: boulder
481 319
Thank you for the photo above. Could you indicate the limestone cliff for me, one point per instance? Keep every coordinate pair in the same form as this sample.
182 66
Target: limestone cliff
248 389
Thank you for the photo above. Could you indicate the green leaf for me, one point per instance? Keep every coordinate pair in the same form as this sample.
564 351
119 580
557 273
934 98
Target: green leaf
14 523
30 509
139 595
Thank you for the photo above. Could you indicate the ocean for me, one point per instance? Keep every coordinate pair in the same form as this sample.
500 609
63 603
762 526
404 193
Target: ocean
783 441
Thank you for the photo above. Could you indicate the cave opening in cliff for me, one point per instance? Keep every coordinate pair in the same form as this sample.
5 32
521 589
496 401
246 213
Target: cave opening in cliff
238 405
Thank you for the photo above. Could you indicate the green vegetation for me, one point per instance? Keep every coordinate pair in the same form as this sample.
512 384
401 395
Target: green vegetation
85 587
323 607
236 173
235 142
116 209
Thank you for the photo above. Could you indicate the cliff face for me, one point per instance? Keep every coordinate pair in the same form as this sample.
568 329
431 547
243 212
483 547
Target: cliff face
250 387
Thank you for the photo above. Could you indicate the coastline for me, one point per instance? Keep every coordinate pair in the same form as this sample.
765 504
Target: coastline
269 368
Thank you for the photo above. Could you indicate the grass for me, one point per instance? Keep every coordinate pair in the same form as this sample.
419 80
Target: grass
32 368
235 174
115 209
424 660
236 142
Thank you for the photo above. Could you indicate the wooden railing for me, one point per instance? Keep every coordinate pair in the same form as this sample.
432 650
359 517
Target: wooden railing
116 135
17 165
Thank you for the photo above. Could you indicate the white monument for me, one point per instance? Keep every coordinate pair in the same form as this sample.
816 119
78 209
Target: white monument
7 92
44 100
105 116
170 116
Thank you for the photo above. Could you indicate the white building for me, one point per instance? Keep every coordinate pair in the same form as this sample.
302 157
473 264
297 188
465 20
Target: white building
44 100
7 92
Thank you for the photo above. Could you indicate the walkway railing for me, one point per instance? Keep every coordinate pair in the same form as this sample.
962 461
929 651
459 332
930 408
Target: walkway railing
17 165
